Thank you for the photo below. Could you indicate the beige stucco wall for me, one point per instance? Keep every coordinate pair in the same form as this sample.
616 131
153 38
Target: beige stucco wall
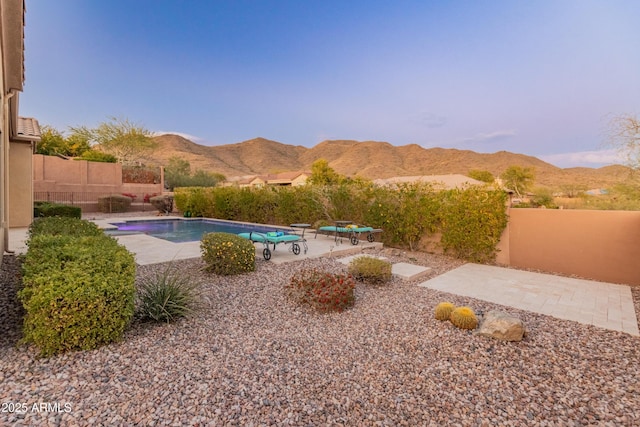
600 245
21 191
86 180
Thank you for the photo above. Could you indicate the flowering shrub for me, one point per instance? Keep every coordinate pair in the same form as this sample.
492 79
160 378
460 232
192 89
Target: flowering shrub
130 195
321 290
226 254
147 197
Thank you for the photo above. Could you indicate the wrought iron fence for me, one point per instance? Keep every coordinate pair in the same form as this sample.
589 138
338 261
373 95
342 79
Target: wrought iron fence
89 201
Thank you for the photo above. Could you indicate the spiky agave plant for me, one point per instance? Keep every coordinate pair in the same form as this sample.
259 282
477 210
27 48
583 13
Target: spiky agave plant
443 310
464 318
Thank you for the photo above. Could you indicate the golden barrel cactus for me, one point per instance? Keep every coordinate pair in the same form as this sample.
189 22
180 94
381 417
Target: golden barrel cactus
443 310
464 318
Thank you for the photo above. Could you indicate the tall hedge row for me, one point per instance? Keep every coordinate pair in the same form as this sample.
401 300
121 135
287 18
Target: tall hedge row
470 221
78 286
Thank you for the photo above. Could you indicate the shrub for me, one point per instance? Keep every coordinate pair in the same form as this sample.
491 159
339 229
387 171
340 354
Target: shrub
46 209
164 204
114 203
321 290
167 295
371 270
78 292
226 254
464 318
443 310
63 226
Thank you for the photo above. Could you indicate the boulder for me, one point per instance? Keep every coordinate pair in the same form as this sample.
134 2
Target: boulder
502 326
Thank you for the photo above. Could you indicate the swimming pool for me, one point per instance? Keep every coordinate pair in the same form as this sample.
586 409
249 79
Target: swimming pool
184 230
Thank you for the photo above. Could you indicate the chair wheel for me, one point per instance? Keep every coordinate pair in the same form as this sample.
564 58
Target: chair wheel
295 248
354 240
370 237
266 253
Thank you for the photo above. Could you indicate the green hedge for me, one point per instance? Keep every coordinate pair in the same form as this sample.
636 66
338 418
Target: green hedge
470 221
61 226
78 288
46 209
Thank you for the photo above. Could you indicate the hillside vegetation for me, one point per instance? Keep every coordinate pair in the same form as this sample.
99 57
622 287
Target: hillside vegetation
371 159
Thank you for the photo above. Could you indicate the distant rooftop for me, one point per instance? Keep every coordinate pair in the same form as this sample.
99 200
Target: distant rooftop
441 181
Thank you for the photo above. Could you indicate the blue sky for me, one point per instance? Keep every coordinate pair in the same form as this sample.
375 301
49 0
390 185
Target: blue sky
535 77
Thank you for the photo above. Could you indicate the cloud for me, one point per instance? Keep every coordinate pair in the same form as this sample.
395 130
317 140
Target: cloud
191 138
430 120
491 137
584 158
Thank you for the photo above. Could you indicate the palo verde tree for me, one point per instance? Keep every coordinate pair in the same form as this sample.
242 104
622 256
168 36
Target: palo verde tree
518 179
127 142
323 174
54 142
624 137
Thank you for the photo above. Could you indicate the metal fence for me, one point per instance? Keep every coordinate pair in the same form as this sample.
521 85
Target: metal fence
89 201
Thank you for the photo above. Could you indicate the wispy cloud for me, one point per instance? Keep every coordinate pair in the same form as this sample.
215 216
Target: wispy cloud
584 158
191 138
491 136
430 120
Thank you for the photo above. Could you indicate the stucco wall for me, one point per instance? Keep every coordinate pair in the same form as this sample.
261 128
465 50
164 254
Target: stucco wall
601 245
87 180
21 191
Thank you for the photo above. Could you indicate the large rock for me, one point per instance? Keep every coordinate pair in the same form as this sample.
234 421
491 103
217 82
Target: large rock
501 325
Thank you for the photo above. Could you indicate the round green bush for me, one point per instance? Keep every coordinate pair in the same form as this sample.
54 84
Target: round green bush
226 254
114 204
371 270
78 292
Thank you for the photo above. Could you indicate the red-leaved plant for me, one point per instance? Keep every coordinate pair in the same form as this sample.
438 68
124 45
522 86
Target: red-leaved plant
321 290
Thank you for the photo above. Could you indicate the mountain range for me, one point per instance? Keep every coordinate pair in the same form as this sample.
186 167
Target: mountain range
371 159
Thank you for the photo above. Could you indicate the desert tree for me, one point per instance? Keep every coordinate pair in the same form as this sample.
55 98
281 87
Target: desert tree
481 175
54 142
323 174
518 179
624 137
125 140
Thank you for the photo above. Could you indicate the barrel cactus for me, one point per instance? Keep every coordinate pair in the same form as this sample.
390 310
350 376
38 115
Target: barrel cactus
443 310
464 318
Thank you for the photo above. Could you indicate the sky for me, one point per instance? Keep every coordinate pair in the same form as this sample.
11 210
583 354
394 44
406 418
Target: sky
542 78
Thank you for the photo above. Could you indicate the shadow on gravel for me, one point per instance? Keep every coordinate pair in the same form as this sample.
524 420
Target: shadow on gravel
11 311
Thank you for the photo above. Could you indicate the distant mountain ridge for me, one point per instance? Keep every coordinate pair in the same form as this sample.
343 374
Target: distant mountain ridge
370 159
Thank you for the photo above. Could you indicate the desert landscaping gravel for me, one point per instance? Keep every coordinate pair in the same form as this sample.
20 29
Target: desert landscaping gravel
253 358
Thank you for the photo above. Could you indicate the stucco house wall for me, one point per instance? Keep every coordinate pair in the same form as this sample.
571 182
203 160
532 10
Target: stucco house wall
21 191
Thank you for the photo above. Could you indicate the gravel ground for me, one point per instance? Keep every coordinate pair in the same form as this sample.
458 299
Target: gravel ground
253 358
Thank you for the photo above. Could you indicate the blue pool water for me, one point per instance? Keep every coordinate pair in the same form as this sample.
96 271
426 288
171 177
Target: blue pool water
179 230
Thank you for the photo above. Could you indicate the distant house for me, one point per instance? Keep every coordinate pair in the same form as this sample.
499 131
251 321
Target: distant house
442 182
17 135
278 179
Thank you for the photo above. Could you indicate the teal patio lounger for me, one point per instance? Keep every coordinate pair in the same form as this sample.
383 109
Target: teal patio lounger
352 232
275 238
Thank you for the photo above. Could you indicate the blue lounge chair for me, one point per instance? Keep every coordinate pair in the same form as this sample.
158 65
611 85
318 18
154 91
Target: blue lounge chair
275 238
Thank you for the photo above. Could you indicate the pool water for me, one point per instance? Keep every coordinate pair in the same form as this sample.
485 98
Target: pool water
179 230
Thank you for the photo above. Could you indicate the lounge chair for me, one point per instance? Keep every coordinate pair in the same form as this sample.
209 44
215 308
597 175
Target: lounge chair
352 231
275 238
